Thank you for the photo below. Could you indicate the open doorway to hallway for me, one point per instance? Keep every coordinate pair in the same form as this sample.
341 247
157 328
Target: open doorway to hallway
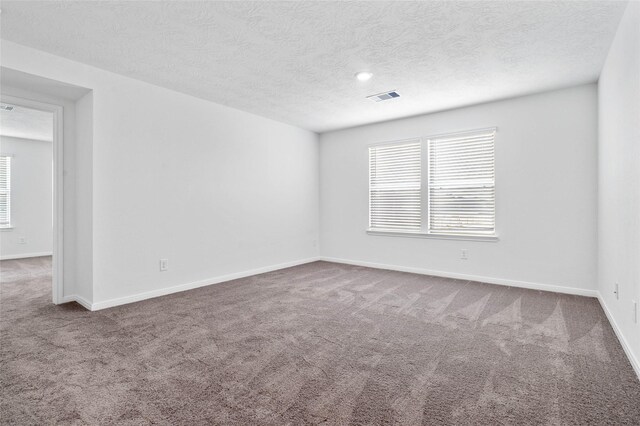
26 199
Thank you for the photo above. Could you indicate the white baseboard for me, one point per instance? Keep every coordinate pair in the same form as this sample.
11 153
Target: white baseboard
490 280
79 299
67 299
25 255
635 363
189 286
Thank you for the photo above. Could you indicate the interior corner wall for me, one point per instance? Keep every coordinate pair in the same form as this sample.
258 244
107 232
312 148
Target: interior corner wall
31 199
545 194
619 181
216 191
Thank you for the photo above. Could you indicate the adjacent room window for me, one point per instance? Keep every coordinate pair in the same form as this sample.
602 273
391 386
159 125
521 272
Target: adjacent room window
394 187
461 179
5 191
456 195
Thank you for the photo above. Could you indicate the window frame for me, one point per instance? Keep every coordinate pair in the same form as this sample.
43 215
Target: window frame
425 232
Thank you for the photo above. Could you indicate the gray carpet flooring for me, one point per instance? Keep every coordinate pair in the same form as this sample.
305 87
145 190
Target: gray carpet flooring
318 343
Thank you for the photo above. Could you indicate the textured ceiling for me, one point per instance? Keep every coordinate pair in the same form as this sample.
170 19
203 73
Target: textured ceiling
26 123
295 61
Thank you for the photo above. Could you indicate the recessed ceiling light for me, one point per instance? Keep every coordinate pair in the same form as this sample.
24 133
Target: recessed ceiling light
364 75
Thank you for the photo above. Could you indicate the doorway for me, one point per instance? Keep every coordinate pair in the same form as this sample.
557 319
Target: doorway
31 204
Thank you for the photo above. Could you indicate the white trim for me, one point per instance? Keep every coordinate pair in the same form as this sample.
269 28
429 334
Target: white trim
196 284
79 299
394 142
83 302
457 237
491 280
635 363
26 139
57 281
462 132
25 255
69 298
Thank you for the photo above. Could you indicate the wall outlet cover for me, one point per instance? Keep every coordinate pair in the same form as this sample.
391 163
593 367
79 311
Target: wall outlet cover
164 264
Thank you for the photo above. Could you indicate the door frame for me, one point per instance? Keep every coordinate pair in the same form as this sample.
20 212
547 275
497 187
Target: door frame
57 281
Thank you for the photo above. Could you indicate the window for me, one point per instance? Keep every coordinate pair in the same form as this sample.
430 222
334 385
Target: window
462 184
5 191
458 188
394 187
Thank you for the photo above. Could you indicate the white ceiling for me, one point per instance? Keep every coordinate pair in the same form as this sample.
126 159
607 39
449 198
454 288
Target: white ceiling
26 123
295 61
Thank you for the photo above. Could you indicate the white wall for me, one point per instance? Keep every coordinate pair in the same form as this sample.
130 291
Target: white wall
83 198
31 198
545 183
619 179
215 190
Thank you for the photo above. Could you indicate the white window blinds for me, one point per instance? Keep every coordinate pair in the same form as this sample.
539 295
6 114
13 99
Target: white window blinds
461 182
5 191
394 187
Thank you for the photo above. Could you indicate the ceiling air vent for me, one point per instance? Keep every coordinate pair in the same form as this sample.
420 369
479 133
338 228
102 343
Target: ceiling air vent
6 107
378 97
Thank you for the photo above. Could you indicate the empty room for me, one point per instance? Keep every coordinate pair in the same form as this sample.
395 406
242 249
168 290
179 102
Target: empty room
320 212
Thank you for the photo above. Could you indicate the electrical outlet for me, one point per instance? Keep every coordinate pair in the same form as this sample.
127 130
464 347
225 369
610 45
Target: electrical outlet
464 254
315 243
22 240
164 264
635 311
616 292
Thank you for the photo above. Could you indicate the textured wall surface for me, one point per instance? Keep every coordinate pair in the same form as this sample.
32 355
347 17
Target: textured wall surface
619 179
295 61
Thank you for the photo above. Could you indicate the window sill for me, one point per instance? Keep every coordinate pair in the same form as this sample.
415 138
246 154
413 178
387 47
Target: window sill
6 228
487 238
